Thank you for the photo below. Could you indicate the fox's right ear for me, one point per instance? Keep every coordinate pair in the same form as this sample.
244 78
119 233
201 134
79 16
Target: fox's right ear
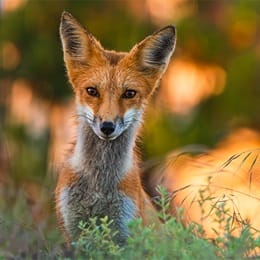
153 54
78 44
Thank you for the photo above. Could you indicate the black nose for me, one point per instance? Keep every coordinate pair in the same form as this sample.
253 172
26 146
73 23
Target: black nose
107 128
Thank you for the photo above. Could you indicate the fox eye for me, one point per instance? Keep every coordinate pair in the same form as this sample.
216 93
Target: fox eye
92 91
129 93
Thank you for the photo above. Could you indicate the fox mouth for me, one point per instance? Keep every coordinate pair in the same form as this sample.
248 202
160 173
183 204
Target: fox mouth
108 134
108 138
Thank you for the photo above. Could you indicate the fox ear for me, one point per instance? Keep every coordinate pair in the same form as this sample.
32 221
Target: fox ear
154 52
78 44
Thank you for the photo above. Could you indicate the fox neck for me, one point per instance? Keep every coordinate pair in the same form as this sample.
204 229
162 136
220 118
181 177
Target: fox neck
105 162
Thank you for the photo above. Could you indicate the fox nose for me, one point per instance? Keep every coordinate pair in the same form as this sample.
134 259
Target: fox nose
107 128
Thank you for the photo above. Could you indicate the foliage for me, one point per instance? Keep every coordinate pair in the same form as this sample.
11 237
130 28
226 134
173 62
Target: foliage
21 238
170 240
96 240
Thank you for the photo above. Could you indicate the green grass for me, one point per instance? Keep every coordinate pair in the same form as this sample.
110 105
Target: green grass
22 238
170 240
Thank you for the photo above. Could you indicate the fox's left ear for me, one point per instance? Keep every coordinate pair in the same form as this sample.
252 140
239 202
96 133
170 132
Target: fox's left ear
78 44
154 52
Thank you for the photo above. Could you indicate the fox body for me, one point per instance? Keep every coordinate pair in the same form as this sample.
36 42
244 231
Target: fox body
101 174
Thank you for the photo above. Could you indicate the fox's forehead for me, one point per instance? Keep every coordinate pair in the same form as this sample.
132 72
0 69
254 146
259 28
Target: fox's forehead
112 77
113 57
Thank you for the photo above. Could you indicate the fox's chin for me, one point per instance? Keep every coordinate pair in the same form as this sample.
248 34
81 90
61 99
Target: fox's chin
108 138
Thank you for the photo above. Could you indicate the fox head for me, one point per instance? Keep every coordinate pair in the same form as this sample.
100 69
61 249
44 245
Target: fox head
112 88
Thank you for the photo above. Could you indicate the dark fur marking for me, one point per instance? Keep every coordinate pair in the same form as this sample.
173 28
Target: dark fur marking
72 39
114 57
163 49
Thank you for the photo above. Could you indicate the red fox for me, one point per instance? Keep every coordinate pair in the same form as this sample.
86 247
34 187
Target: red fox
101 176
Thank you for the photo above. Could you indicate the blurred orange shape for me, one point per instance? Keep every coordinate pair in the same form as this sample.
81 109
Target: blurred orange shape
187 83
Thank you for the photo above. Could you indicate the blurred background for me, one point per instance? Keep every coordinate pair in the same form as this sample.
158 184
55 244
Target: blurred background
211 88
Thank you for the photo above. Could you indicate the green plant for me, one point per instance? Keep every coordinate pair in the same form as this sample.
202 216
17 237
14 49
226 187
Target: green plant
96 240
170 239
